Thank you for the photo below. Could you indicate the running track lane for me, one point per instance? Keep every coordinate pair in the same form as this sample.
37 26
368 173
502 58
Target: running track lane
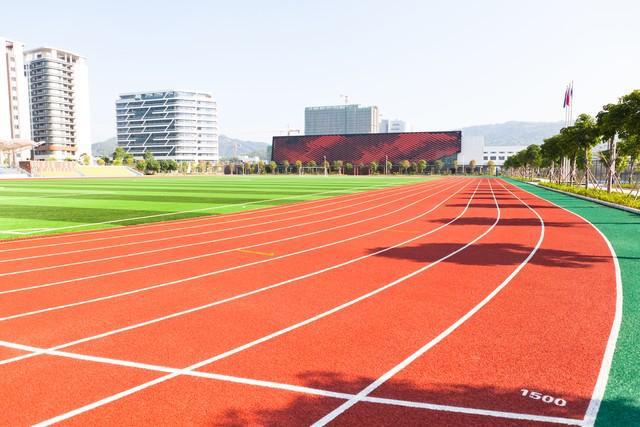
546 332
256 410
109 314
28 274
36 364
53 377
105 289
42 248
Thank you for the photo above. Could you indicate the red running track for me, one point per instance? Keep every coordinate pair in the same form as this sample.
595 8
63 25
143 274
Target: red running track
454 302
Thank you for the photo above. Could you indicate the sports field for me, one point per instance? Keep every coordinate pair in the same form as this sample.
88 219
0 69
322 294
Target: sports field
450 301
32 207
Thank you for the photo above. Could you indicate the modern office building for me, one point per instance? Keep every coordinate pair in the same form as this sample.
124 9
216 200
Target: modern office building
58 85
393 126
15 120
340 119
172 124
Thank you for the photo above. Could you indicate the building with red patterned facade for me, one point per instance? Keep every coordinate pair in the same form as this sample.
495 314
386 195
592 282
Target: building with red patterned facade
369 147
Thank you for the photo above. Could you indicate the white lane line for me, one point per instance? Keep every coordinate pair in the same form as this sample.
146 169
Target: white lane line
205 209
207 219
205 255
215 272
255 291
607 359
205 362
205 242
432 343
293 387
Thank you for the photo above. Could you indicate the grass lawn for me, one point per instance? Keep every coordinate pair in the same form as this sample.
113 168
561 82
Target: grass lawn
33 207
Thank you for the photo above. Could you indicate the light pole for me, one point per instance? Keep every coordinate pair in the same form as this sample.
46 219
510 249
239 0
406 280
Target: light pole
346 102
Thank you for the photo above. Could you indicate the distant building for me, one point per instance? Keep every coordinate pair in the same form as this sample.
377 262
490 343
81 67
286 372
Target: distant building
15 120
172 124
475 148
393 126
59 98
499 153
340 119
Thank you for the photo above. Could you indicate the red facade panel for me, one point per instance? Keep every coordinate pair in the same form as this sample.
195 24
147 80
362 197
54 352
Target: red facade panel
365 148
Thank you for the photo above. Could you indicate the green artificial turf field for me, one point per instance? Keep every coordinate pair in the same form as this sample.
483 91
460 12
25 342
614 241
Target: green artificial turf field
34 207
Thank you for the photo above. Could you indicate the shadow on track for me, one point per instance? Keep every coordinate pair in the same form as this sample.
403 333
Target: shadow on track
305 408
491 254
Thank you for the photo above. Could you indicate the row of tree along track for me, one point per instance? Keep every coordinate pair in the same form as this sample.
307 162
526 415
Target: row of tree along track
436 303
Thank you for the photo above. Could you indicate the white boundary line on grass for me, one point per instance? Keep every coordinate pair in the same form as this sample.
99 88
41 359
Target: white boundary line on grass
607 359
292 387
435 341
205 362
115 221
259 290
209 254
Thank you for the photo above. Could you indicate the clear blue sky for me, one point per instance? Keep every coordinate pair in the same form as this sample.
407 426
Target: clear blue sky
439 65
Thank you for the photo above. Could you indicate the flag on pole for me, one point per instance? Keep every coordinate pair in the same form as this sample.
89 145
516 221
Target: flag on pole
571 94
566 98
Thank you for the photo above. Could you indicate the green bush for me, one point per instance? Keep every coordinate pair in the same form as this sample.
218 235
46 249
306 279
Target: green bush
613 197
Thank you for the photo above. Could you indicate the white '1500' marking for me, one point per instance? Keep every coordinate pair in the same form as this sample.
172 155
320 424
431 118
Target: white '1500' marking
543 397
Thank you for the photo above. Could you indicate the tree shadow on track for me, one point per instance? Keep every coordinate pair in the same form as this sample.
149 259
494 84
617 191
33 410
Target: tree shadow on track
490 254
512 222
303 409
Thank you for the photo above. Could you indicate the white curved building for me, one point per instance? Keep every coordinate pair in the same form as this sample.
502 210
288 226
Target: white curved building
172 124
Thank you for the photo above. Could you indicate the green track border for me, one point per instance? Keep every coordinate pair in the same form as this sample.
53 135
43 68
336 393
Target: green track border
621 404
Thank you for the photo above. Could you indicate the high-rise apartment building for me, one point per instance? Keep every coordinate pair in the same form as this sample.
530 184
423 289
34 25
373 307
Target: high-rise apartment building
172 124
340 119
58 87
14 98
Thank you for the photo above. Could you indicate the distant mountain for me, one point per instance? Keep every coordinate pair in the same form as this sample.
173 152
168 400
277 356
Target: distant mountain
514 133
225 145
104 148
228 147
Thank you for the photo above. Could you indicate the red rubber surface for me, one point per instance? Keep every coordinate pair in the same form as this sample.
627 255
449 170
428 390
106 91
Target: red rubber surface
546 331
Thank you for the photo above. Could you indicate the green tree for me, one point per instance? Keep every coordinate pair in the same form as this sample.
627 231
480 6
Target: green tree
439 165
152 166
141 165
298 166
273 166
492 167
285 166
85 159
373 168
404 165
119 153
100 161
389 166
422 165
348 167
472 166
